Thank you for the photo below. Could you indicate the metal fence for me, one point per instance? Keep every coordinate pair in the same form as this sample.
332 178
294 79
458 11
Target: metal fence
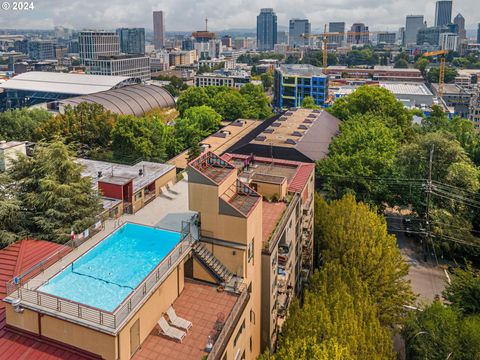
18 289
227 330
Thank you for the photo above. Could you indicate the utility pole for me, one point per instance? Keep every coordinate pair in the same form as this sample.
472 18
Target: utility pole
429 189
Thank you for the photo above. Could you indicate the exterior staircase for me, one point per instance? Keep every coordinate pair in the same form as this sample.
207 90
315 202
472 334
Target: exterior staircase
212 263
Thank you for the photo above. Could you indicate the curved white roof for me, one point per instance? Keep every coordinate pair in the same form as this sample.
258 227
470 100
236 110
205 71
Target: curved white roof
77 84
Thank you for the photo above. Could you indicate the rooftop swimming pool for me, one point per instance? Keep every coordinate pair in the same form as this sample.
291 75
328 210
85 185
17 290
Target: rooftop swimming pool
105 275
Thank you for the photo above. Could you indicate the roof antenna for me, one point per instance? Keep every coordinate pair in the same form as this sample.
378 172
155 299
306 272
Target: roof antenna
206 23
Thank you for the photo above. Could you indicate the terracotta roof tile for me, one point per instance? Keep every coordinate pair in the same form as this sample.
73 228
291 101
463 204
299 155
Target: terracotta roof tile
14 260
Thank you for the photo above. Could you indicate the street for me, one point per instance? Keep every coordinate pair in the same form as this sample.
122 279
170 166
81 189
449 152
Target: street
427 278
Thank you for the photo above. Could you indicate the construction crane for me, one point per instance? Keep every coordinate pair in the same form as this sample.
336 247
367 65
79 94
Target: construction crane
326 35
441 75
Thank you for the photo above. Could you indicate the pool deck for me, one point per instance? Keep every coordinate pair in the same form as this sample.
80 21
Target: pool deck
200 303
166 211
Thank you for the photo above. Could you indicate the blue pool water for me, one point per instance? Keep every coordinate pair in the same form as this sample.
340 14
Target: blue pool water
105 275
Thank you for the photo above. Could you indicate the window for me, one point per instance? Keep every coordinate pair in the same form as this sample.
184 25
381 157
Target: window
252 318
239 333
250 250
138 196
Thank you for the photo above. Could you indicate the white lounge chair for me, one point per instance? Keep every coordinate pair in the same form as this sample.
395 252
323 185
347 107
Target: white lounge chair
177 320
170 331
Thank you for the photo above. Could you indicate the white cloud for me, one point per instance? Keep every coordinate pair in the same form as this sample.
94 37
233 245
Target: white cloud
185 15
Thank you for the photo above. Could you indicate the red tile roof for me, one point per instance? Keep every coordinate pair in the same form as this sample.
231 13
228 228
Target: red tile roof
299 180
271 214
14 260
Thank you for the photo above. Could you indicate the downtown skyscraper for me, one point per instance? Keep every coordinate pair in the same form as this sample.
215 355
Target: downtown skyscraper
158 30
266 29
132 40
413 24
443 13
298 32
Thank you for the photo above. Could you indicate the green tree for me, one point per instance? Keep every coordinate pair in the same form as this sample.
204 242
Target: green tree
267 80
54 196
401 64
258 104
87 124
22 124
230 105
434 73
205 118
366 146
138 138
355 236
440 332
193 96
194 151
421 64
464 290
377 101
11 216
309 103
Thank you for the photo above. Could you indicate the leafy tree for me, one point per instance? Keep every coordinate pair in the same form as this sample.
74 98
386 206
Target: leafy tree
421 64
193 96
22 124
464 290
87 124
258 104
377 101
205 118
306 349
309 103
230 105
194 151
267 80
365 147
434 73
54 196
11 217
356 237
440 332
135 138
401 64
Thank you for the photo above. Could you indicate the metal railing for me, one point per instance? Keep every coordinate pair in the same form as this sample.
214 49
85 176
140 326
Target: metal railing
111 320
270 243
232 320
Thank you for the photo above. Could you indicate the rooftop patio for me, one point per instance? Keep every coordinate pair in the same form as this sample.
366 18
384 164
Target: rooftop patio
199 303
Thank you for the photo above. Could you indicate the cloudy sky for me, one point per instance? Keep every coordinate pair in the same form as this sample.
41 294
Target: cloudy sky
186 15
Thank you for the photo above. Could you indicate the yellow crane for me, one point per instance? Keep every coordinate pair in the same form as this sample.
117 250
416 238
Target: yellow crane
441 75
325 37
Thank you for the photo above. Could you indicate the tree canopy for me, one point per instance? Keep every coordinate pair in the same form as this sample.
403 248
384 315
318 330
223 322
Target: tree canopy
54 197
22 124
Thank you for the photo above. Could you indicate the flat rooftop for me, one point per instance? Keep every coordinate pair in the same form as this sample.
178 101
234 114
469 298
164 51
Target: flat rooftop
399 88
10 144
219 141
272 213
78 84
301 70
201 304
142 173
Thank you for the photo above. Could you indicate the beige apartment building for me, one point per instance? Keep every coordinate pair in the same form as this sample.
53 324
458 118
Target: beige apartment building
240 260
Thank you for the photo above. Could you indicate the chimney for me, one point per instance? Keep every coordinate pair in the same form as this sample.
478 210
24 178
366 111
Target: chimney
99 175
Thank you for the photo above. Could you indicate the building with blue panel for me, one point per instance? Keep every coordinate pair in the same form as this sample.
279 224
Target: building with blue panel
294 82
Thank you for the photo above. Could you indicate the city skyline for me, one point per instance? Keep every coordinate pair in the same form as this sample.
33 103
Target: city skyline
188 16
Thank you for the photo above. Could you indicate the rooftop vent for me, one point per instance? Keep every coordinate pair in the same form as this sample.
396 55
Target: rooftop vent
99 174
312 116
307 121
220 135
288 113
297 133
290 141
260 138
268 131
276 124
140 172
317 111
302 127
282 118
238 123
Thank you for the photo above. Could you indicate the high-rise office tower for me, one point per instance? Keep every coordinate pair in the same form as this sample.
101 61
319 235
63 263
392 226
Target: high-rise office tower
478 34
358 34
336 27
443 13
459 20
132 40
158 30
298 32
96 43
413 24
266 29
